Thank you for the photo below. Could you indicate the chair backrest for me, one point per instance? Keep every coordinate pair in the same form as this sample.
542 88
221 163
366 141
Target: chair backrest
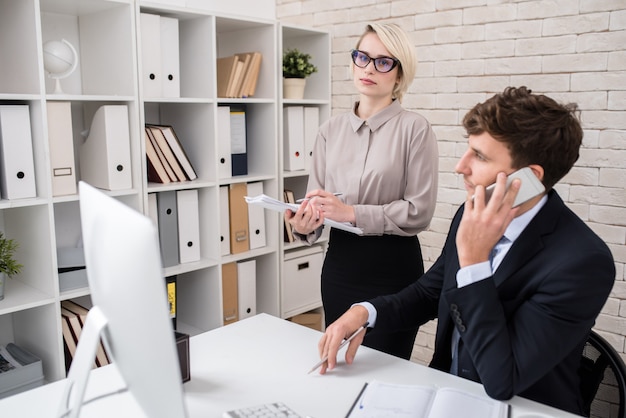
603 379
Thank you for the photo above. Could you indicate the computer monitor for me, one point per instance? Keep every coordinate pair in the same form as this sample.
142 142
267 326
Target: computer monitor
130 308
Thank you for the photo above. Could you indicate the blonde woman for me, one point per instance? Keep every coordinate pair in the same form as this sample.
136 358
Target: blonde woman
383 160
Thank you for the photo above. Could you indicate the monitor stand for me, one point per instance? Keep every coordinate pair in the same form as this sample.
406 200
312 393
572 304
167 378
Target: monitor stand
82 362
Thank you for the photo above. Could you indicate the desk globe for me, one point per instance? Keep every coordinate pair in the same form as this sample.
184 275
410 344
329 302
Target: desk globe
60 59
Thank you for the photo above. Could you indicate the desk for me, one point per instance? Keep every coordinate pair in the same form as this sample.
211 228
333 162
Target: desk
258 360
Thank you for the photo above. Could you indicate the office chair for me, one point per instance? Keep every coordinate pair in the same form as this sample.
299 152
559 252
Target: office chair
603 379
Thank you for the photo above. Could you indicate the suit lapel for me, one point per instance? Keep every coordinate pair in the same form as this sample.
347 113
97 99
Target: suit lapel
530 241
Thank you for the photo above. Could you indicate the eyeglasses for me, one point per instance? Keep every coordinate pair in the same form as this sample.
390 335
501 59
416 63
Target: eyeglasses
382 64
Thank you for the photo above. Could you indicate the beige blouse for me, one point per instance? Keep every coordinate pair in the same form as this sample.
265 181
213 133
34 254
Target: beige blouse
386 167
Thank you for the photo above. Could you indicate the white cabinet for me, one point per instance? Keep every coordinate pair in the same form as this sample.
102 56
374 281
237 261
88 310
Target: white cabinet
107 35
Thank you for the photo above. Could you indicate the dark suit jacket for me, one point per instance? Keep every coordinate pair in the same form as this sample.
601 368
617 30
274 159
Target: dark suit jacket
522 330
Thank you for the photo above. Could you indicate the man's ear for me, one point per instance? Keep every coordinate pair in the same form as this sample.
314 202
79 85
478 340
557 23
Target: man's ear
537 171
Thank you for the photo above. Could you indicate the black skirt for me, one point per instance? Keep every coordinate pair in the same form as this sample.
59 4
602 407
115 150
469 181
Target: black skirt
357 268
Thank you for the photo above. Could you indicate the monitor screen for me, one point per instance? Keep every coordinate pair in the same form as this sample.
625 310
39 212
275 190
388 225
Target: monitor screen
128 292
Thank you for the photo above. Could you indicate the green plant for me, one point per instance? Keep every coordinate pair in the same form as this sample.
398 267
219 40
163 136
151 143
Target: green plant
297 64
8 264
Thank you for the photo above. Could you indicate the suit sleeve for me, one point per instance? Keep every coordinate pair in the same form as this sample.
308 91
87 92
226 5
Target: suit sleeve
556 297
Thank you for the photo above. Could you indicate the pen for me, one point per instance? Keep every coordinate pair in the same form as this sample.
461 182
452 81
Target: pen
308 198
354 334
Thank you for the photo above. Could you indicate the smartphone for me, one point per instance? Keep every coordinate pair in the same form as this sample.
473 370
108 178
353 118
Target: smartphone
531 186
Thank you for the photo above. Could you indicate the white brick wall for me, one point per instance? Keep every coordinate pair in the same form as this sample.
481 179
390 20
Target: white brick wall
572 50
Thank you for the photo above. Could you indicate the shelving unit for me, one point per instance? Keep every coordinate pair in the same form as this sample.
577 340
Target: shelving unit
107 36
316 94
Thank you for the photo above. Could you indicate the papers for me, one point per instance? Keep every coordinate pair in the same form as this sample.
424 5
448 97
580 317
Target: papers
273 204
379 399
7 362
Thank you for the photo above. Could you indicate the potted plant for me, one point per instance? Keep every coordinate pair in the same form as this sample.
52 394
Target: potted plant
9 267
296 67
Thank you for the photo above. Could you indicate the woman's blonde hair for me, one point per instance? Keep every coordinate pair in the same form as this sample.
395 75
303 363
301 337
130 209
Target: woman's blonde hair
399 45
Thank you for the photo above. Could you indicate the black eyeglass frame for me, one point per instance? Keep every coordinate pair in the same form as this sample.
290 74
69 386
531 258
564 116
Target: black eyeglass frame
354 53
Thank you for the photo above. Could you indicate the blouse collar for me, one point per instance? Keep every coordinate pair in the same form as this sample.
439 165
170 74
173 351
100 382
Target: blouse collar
378 119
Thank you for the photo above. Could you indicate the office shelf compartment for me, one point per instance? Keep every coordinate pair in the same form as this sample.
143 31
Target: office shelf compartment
317 44
194 124
18 47
199 301
100 31
301 280
194 52
239 36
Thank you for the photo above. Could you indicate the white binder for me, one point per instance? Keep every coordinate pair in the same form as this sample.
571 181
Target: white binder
151 76
256 218
60 138
105 154
153 212
17 175
188 225
246 288
170 57
168 227
224 221
311 127
293 141
224 161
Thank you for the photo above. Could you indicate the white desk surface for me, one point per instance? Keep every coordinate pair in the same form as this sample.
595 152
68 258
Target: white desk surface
258 360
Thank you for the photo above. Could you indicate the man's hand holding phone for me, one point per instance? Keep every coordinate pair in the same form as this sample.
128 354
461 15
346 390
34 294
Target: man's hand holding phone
488 213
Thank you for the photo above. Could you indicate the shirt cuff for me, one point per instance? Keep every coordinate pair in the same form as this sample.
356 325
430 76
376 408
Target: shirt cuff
472 274
371 313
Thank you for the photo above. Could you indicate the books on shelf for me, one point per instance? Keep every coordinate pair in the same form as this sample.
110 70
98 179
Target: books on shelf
166 157
289 198
237 74
74 318
378 399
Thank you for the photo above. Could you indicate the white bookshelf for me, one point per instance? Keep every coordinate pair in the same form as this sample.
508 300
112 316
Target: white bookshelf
316 94
106 34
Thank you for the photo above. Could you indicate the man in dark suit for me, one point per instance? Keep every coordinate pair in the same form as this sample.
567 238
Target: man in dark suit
516 321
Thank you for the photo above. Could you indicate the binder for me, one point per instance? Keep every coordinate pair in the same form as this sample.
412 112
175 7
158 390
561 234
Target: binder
152 85
170 57
17 175
224 222
256 218
293 143
170 286
152 208
238 139
105 154
229 293
188 225
311 127
238 213
224 160
61 141
168 227
246 288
